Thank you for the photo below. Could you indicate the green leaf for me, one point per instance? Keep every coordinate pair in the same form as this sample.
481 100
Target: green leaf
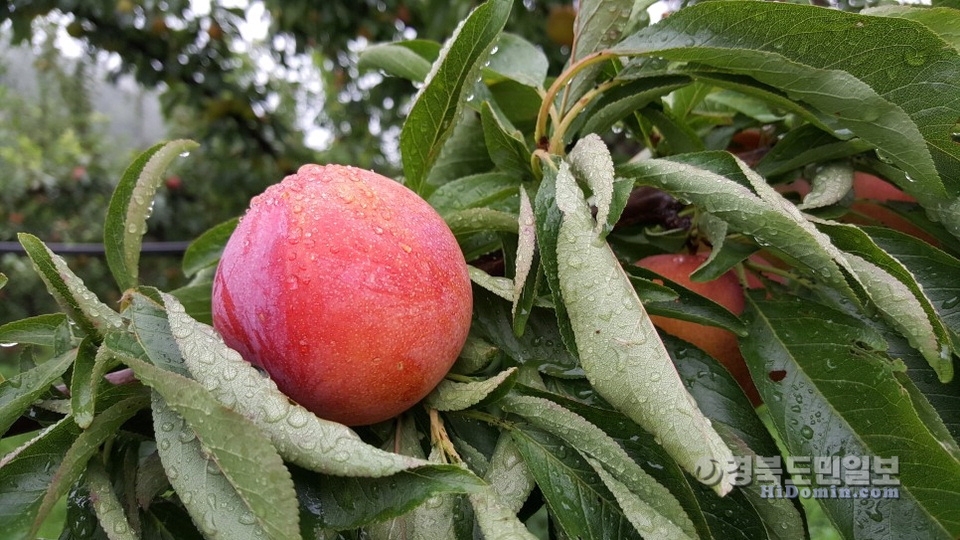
540 345
41 474
895 292
461 156
580 505
190 424
508 474
473 191
197 300
107 505
805 145
548 220
472 220
598 26
298 435
82 385
496 520
829 186
407 59
340 503
526 252
590 161
205 250
519 60
217 458
130 206
619 348
506 146
457 396
943 21
615 104
475 356
20 391
440 101
874 96
91 315
847 400
694 177
27 473
649 502
38 330
685 305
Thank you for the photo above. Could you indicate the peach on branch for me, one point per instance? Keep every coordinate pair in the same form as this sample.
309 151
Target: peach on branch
348 289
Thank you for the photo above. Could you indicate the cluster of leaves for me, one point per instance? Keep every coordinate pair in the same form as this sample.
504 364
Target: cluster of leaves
565 403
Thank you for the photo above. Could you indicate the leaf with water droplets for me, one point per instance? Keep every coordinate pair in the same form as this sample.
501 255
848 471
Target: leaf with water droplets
495 519
456 396
897 294
652 501
849 399
83 307
74 461
39 330
106 504
473 220
27 472
526 246
83 385
718 183
226 472
299 435
580 505
20 391
437 106
407 59
505 144
620 351
599 25
130 206
830 185
590 161
873 94
508 474
473 191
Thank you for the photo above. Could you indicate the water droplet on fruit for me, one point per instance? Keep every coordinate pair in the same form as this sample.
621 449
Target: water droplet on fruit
405 247
378 230
293 283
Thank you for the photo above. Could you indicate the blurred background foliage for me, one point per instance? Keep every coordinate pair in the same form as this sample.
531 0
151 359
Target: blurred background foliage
263 85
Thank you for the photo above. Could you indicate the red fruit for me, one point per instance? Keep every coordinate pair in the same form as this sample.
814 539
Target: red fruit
726 291
173 183
348 289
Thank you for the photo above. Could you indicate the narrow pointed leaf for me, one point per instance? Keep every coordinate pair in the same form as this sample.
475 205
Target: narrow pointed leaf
846 400
508 474
107 506
406 59
506 146
82 306
104 426
526 246
473 191
590 160
299 435
225 455
439 103
130 207
205 250
496 520
620 351
37 330
20 391
656 506
457 396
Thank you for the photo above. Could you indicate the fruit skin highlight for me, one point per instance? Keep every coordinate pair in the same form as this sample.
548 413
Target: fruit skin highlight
726 290
348 289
